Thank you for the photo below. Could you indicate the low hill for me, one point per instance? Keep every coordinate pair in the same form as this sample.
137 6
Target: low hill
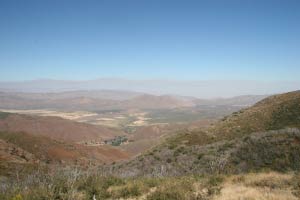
157 102
265 135
27 150
28 142
15 160
55 128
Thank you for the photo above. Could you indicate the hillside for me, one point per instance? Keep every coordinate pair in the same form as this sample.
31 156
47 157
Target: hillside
28 142
272 113
55 128
264 136
27 150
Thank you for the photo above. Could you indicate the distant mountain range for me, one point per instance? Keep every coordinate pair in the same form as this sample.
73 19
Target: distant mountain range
110 100
200 89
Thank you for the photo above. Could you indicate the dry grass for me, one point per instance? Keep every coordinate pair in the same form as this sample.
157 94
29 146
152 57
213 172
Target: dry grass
262 186
242 192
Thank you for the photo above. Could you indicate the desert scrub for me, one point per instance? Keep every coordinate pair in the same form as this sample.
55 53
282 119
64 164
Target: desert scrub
296 185
130 189
134 187
151 182
270 180
178 151
174 189
215 180
17 197
98 186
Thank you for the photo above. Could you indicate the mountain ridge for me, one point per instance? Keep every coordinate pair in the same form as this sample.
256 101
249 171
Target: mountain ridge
200 89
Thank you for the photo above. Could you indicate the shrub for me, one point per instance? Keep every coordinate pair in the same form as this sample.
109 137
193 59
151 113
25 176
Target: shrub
156 158
174 189
98 186
215 180
126 191
17 197
166 195
199 156
296 185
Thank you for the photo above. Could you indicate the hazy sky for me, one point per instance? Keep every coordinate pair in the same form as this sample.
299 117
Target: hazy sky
150 39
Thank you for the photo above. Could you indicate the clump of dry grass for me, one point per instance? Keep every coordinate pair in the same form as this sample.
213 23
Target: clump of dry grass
242 192
259 186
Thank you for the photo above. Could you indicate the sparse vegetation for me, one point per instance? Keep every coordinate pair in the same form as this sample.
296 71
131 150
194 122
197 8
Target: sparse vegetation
78 185
117 141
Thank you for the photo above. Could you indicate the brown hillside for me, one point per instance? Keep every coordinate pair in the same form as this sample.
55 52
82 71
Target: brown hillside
55 128
52 151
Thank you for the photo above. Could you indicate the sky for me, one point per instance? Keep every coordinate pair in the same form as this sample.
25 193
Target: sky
150 39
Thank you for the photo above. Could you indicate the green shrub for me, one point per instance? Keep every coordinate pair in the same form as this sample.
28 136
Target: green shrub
174 189
98 186
296 185
130 190
17 197
156 158
166 195
199 156
215 180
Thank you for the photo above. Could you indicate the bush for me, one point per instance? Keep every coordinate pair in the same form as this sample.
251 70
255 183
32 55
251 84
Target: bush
166 195
98 186
296 185
17 197
174 189
126 191
215 180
